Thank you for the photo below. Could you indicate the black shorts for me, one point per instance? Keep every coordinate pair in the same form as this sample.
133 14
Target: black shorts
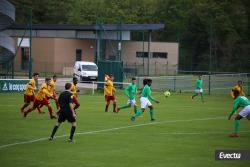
66 116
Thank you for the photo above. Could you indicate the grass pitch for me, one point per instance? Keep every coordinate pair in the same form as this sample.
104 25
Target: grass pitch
186 133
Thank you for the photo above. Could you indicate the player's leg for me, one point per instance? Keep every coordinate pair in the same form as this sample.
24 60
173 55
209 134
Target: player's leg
114 103
243 113
128 105
57 103
107 103
72 131
26 103
34 105
47 104
202 99
196 94
55 129
236 126
152 113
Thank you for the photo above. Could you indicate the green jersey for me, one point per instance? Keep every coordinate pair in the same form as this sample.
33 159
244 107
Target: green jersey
146 92
240 101
198 84
130 91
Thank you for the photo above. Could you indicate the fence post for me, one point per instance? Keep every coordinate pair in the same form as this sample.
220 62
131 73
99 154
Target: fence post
174 82
155 67
93 87
209 83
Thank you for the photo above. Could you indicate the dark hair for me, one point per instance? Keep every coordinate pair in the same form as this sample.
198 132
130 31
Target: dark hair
110 75
236 93
75 79
133 79
35 73
67 86
145 81
54 76
47 79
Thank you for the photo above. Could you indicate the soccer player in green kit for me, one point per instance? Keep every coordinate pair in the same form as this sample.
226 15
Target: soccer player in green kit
130 91
198 88
145 103
239 101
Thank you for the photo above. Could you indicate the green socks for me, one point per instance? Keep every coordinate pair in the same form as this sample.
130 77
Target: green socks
138 113
237 126
151 111
125 106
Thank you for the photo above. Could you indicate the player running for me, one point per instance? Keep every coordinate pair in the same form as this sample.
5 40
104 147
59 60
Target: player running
198 88
52 90
130 91
145 103
29 94
67 112
239 101
239 88
109 92
41 99
74 91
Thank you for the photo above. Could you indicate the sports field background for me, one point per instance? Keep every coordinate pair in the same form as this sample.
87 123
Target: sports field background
186 133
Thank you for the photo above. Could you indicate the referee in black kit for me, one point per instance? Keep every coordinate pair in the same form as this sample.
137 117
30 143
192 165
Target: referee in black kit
66 112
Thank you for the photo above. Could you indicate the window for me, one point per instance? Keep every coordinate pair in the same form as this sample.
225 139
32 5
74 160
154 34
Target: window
25 58
141 54
89 67
163 55
78 54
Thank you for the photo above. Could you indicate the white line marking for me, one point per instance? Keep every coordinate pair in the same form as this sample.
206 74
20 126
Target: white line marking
111 129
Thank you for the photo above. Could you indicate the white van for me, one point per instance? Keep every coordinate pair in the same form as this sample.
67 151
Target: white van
85 71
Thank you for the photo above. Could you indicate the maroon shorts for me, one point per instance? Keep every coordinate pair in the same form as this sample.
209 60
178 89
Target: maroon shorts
110 98
28 99
37 102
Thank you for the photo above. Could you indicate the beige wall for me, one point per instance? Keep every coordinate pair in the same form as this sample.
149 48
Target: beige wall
54 54
158 66
65 52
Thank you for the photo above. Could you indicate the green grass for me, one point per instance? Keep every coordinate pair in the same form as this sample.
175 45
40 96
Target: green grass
174 140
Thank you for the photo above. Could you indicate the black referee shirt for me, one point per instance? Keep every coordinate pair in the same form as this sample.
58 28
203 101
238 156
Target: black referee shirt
64 100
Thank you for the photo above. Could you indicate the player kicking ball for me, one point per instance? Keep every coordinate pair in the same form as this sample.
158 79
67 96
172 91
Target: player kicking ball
130 91
145 103
239 101
67 112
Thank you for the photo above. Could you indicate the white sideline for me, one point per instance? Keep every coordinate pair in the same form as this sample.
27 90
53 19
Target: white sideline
111 129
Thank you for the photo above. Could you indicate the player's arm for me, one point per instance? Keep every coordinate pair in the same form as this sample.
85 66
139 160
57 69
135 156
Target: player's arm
71 105
47 93
235 107
126 91
151 97
31 87
106 90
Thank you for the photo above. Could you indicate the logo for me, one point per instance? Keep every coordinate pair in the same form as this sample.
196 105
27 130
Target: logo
5 88
232 155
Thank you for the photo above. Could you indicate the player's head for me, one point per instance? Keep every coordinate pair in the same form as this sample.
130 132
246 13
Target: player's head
75 80
149 82
133 80
236 93
111 77
35 76
200 77
47 80
67 86
145 81
54 78
239 82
